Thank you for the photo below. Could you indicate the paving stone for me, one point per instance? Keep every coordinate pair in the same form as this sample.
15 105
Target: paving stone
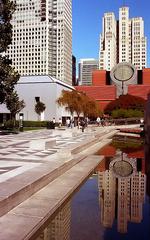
34 169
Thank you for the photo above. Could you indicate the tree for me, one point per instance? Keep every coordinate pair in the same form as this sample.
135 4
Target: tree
8 76
7 8
66 99
14 105
39 108
78 102
92 109
126 102
72 101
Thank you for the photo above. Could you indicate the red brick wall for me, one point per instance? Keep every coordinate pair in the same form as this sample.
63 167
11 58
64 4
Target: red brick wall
103 104
107 151
136 154
102 167
146 76
99 78
99 92
102 94
139 90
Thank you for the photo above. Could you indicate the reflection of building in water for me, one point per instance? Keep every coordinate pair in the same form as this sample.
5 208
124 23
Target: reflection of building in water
131 193
107 197
123 214
147 167
59 227
121 195
138 186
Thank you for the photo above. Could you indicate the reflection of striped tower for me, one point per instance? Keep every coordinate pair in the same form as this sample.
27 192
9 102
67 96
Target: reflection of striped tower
129 191
123 204
106 182
59 227
138 189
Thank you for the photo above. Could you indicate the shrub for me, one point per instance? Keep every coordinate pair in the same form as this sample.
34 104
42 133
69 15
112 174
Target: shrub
10 124
119 113
130 113
126 102
35 123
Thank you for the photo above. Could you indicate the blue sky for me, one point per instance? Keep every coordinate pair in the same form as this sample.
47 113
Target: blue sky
87 22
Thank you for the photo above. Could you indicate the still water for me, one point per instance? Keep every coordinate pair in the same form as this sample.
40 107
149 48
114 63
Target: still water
113 204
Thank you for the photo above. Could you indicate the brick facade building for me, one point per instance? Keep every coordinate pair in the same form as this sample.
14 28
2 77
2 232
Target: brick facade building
104 90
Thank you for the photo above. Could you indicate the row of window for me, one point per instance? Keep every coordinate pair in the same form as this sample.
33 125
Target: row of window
30 30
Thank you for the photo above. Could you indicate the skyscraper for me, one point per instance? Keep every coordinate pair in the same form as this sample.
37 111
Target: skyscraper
108 40
74 82
122 40
42 38
86 67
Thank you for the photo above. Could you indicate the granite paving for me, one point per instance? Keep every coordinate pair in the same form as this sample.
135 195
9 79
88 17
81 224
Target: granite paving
24 171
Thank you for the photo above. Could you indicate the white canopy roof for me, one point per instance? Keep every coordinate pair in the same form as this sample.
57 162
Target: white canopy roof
42 79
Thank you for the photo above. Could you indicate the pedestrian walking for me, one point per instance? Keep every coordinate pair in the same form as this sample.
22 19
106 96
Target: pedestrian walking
59 122
98 120
102 122
71 122
82 124
68 122
54 122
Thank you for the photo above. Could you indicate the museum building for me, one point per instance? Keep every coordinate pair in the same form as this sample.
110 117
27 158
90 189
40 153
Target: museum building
122 79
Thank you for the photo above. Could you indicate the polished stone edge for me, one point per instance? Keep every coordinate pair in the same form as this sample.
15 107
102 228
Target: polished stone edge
21 187
26 219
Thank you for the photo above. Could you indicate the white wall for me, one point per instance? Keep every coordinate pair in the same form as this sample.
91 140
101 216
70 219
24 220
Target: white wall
44 87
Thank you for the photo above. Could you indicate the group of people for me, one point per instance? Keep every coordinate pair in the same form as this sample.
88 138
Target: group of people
59 122
82 123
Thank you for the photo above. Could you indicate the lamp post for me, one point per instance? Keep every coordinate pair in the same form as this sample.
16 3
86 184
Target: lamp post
21 122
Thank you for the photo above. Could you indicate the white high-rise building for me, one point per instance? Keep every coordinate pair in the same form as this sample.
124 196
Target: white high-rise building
42 38
107 53
86 67
122 41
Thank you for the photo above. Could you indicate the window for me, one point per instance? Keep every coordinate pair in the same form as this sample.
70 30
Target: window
37 99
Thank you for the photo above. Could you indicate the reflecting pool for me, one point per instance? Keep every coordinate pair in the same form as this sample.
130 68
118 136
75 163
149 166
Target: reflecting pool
113 204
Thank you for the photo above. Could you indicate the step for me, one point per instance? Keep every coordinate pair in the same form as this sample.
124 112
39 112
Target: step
19 188
23 222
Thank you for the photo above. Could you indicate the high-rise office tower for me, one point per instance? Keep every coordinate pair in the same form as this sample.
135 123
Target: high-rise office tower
42 38
122 41
108 39
86 67
74 82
